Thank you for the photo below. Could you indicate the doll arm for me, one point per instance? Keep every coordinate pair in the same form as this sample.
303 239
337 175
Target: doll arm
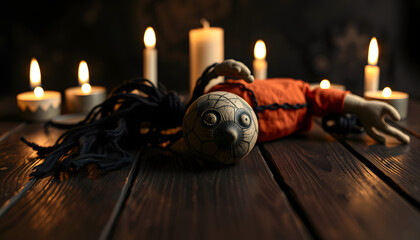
372 116
231 69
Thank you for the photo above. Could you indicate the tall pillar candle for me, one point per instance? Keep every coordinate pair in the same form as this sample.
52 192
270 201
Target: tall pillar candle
206 48
260 64
150 56
372 70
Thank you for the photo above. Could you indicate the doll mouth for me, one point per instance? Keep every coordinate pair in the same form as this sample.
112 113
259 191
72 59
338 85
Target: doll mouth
227 135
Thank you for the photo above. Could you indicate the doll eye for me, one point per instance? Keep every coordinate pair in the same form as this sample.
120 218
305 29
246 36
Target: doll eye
245 119
210 118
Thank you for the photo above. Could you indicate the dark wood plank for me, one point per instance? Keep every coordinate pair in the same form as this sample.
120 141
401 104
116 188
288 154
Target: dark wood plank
172 198
72 206
8 128
400 164
17 160
341 196
412 123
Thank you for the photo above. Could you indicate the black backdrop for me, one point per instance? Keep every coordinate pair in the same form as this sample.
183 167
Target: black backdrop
305 39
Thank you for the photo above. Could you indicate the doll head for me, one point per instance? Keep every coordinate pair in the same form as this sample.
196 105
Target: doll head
220 127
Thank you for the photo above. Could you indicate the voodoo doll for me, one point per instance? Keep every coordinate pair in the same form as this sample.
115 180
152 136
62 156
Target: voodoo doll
220 126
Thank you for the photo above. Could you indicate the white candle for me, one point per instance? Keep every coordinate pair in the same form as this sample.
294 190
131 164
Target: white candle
38 105
206 48
260 64
83 98
372 70
150 56
399 100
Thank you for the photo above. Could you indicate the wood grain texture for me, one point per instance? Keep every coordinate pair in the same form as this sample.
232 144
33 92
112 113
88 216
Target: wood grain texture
8 128
76 206
17 160
341 196
72 206
173 198
400 163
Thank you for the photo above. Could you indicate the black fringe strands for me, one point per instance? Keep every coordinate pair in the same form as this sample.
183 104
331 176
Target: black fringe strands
134 114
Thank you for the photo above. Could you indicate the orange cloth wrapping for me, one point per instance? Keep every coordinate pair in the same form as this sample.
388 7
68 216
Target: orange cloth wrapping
274 124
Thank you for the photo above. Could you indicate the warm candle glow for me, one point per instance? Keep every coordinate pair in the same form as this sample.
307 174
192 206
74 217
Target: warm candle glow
373 52
259 50
386 92
149 38
206 46
38 92
34 74
38 105
324 84
86 88
83 73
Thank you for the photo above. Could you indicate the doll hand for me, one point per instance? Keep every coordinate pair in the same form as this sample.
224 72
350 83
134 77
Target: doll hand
233 69
229 68
372 116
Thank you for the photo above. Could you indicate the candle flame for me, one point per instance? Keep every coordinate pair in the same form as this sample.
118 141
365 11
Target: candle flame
324 84
387 92
149 38
373 52
83 73
260 50
34 74
38 92
86 88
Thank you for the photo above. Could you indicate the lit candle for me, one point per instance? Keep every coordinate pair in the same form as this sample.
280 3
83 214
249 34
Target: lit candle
150 56
325 84
399 100
206 48
372 70
38 105
83 98
260 64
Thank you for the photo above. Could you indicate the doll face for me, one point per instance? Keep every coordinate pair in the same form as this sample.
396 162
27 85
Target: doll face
220 127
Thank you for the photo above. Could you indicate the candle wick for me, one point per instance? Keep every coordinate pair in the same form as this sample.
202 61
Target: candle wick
205 23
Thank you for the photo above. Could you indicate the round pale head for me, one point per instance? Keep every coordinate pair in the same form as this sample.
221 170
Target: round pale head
220 127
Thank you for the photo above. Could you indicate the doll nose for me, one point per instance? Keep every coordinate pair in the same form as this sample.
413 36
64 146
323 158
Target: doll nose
227 135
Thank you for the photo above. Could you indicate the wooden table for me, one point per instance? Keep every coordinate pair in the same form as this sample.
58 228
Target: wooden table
306 186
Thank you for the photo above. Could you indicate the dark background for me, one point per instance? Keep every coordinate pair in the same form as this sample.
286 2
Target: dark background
309 40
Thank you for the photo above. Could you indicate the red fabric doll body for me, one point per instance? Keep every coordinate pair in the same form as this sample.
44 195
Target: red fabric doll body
274 124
